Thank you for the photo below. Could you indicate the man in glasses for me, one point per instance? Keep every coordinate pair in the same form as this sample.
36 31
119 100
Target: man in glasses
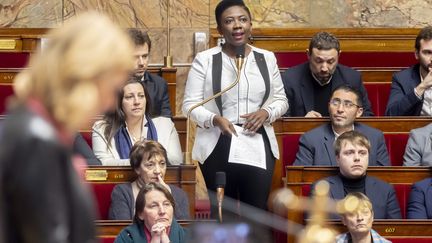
308 86
345 105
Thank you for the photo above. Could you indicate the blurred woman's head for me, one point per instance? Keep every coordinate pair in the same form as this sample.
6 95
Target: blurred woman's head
79 72
154 204
360 221
149 160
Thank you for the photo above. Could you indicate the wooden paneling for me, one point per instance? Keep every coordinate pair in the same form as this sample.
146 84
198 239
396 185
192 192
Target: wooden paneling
351 39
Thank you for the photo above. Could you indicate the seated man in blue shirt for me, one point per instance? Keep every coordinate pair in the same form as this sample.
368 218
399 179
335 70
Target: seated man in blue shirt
316 145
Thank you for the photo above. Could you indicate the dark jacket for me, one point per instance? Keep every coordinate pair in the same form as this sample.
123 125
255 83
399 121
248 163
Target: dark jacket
316 146
402 100
81 147
381 194
123 203
135 234
42 199
420 200
157 88
298 84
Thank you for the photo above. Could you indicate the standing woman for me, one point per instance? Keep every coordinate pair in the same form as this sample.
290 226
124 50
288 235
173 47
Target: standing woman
78 74
253 104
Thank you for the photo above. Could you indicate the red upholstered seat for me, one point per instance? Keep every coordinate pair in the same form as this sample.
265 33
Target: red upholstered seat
396 144
410 240
354 59
289 149
102 194
107 240
87 135
13 59
378 94
6 90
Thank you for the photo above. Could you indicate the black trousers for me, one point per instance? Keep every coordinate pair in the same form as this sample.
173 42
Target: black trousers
248 184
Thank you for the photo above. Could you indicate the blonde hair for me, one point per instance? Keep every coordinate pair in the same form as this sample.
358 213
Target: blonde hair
351 136
364 201
66 75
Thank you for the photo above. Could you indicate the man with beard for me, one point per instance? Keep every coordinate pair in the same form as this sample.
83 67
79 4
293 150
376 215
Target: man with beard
316 145
411 92
155 85
308 86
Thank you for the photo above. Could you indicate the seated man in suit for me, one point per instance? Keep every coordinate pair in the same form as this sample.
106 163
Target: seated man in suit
420 200
155 85
418 151
316 145
352 155
411 89
308 86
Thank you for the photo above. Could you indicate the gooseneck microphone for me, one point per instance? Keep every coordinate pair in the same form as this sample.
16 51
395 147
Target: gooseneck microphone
220 182
240 53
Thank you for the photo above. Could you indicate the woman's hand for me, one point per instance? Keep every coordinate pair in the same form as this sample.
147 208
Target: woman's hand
254 120
226 127
159 233
161 181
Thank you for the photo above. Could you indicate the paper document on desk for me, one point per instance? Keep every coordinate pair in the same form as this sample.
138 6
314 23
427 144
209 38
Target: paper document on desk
247 149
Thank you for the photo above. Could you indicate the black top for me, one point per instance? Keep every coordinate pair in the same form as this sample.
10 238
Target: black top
42 199
353 185
157 88
321 96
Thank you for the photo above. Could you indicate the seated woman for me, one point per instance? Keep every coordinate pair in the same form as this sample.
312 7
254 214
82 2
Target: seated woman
153 220
149 160
359 223
114 136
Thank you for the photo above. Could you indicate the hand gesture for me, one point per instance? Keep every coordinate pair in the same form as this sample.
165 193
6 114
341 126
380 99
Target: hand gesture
313 114
254 120
226 127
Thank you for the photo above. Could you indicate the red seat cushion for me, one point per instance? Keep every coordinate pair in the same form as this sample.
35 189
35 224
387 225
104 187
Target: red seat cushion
402 194
396 144
107 240
378 94
13 59
102 193
289 149
410 240
6 90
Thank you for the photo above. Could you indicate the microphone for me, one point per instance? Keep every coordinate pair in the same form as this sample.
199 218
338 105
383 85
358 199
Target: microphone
220 190
240 54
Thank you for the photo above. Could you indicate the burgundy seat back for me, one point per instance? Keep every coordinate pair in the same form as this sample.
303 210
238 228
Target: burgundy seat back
378 94
396 144
102 194
6 90
87 135
290 146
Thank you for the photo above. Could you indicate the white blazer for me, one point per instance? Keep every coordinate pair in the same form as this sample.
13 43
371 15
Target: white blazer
199 86
167 137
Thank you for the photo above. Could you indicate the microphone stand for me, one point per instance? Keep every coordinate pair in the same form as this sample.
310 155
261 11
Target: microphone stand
239 64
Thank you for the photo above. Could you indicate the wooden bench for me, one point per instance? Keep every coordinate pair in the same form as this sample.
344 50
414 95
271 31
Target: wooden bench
299 179
102 180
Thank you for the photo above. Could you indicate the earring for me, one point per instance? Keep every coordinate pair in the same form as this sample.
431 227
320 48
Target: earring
251 39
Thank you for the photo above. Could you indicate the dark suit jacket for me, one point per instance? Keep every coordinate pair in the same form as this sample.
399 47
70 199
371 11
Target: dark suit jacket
157 88
316 146
402 100
81 147
298 84
381 194
420 200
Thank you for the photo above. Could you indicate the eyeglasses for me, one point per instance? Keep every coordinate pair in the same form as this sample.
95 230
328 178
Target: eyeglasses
345 103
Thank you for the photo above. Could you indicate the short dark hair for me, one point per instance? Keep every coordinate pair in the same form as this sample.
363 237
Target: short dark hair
324 41
139 37
354 137
140 199
224 4
145 149
424 34
350 89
